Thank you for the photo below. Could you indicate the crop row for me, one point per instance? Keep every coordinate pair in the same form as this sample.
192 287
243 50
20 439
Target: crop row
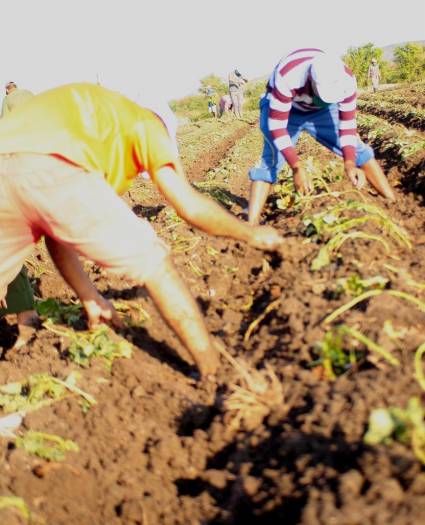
397 113
404 147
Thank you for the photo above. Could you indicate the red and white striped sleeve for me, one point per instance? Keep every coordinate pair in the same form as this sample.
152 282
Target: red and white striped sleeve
347 122
289 75
280 106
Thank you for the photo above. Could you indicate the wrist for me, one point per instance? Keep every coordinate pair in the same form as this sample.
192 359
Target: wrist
87 293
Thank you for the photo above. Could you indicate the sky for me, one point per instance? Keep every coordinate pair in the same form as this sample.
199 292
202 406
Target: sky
162 48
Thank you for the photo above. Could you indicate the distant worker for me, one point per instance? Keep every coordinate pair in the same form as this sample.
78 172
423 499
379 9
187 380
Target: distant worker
374 74
236 82
63 159
20 295
224 105
211 98
14 97
313 92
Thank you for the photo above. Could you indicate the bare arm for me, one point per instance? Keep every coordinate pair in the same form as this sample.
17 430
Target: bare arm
207 215
179 309
71 269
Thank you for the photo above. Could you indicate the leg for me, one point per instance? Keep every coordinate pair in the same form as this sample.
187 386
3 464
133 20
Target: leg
240 98
377 178
323 126
265 174
258 193
234 98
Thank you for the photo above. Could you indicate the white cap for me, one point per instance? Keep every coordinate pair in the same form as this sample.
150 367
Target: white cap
333 84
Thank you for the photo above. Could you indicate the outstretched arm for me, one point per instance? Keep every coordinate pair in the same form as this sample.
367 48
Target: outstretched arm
179 309
207 215
71 269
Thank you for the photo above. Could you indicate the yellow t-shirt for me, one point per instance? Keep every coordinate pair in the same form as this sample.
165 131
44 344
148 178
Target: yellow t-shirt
92 127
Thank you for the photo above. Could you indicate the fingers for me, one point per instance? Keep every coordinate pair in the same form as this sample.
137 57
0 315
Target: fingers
361 179
101 310
3 303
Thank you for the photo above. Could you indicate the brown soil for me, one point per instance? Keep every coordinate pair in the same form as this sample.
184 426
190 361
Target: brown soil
158 447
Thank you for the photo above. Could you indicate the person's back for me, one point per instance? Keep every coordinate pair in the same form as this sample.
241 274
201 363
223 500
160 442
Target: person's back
89 125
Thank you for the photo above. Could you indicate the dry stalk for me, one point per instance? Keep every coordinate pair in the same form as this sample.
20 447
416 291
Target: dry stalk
254 395
272 306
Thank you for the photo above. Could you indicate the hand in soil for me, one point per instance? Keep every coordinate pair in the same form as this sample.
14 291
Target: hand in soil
100 310
265 238
302 181
357 176
208 363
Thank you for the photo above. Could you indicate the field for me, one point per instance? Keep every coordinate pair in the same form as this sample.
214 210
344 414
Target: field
315 339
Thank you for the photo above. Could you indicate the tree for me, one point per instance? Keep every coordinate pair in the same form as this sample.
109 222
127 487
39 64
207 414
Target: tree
410 61
215 82
358 60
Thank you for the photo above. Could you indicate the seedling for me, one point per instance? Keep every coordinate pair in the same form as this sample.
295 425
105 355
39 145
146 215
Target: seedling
46 446
85 346
332 223
39 390
404 425
354 285
334 358
339 350
59 313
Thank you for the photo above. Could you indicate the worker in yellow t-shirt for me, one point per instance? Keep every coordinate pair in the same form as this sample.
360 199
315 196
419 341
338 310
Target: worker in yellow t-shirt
63 158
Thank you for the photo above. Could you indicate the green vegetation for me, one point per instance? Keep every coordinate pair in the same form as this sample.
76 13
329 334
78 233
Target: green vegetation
409 63
337 226
86 346
339 350
404 425
39 390
46 446
358 60
57 312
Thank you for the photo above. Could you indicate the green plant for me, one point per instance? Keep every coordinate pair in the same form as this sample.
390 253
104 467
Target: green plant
85 346
39 390
354 285
46 446
337 227
339 350
404 425
333 356
59 313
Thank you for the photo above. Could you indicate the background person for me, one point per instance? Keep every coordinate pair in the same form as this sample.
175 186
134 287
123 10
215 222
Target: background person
374 74
313 92
224 106
211 100
236 82
63 158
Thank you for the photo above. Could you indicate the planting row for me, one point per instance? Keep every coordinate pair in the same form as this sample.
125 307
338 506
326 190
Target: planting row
395 113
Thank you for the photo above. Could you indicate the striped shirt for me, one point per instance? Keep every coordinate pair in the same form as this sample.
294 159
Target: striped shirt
290 87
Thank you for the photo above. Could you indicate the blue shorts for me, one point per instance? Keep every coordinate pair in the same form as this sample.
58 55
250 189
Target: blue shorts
322 125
